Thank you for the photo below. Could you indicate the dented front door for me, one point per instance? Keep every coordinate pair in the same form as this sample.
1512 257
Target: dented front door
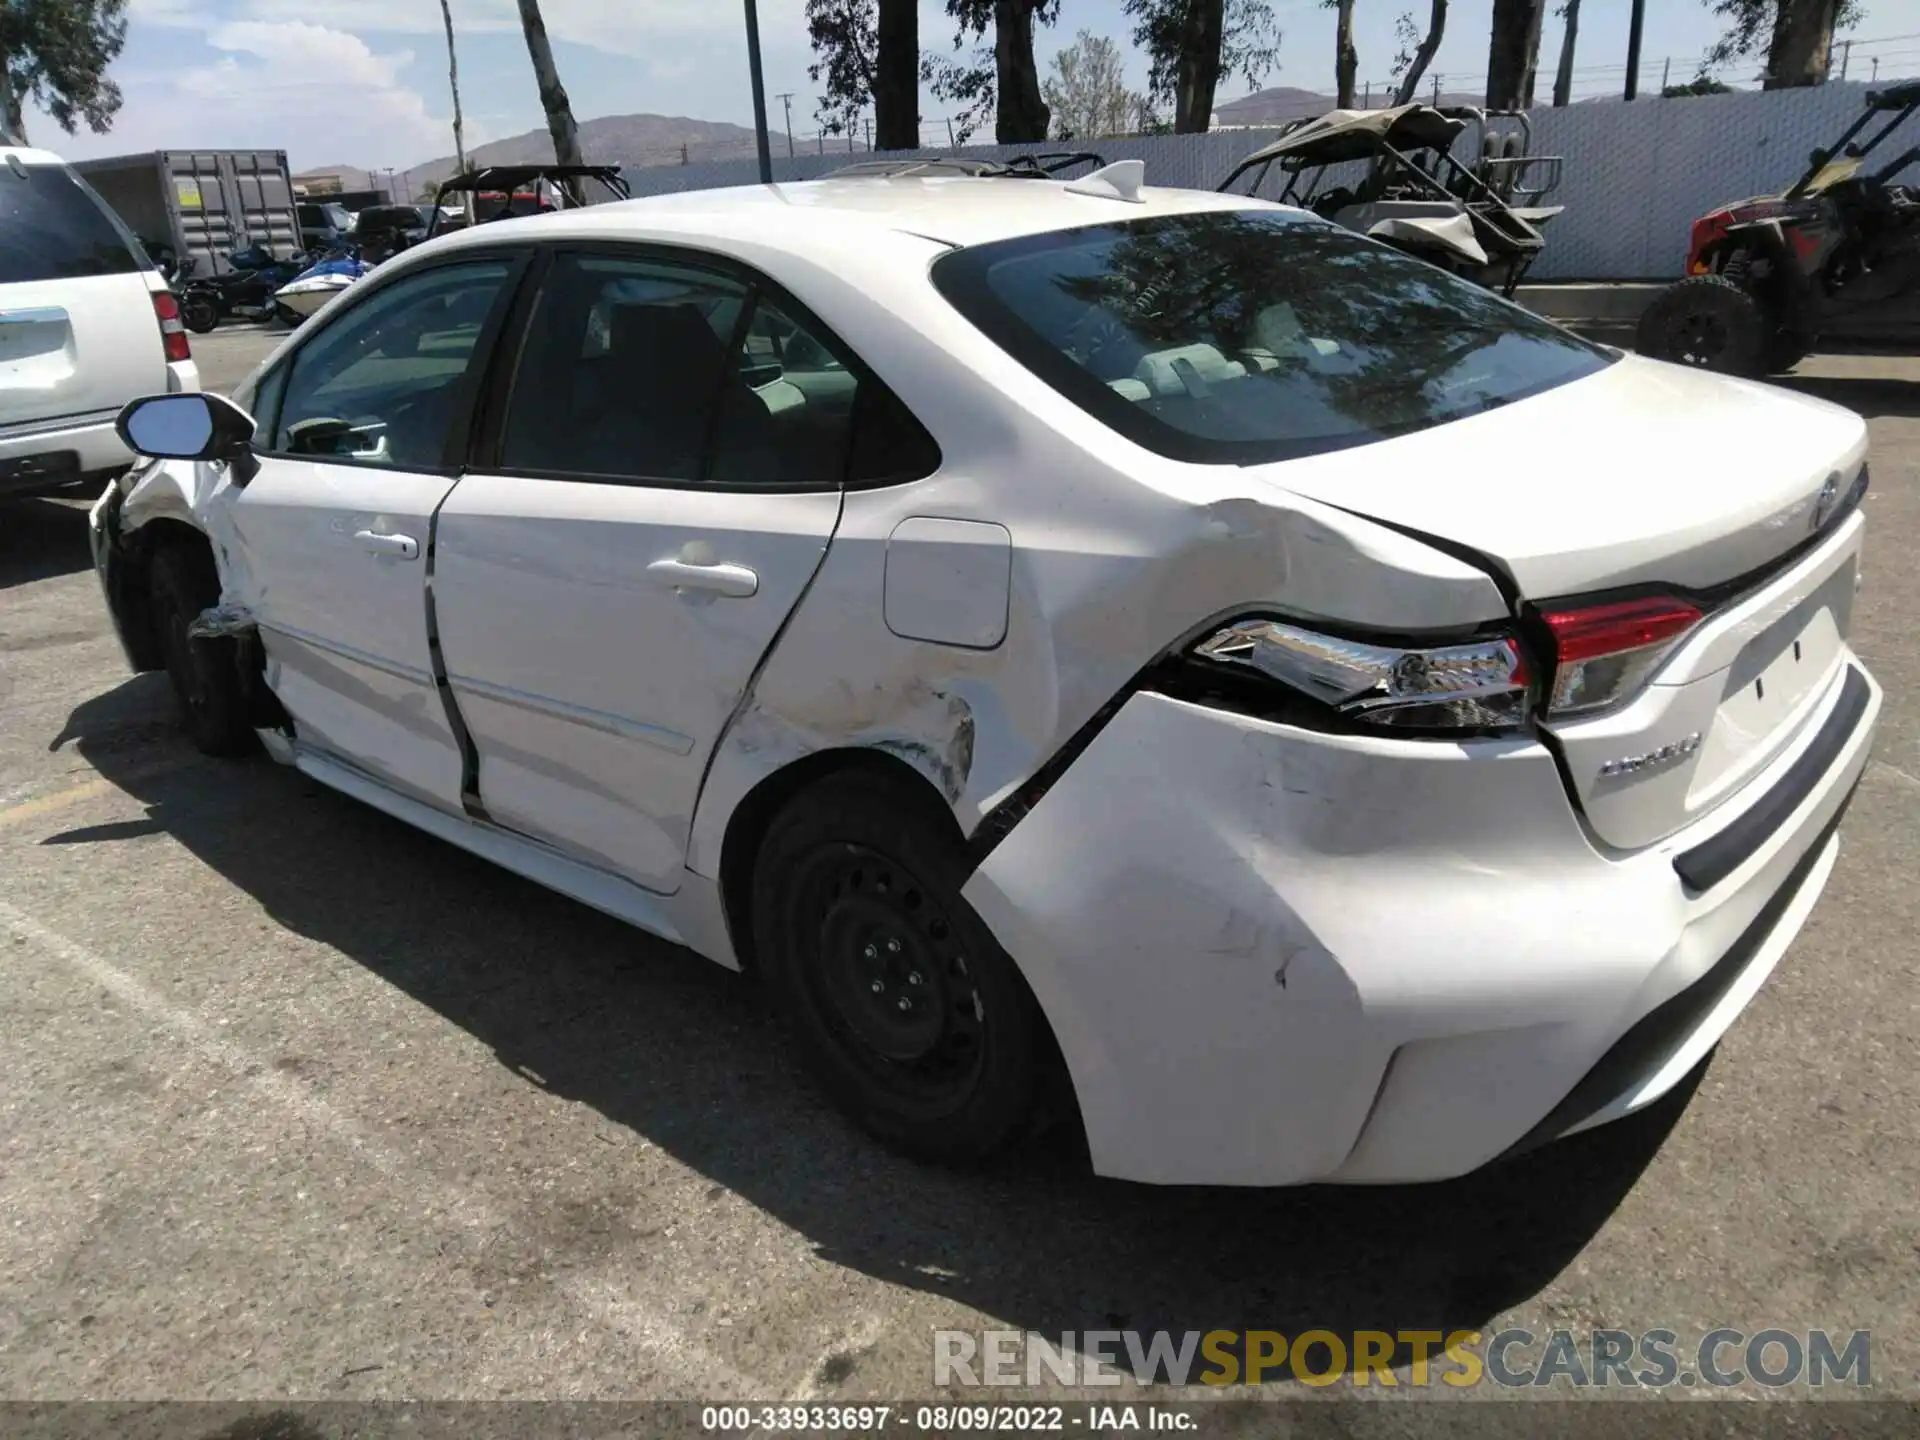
329 544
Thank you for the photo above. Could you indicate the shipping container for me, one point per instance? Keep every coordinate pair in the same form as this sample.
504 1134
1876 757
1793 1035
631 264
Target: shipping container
201 203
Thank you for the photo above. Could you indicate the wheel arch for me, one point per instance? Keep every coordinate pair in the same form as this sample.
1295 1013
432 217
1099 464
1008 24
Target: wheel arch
747 826
132 568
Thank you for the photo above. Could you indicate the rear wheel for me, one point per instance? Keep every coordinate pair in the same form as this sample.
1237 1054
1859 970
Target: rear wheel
1709 322
206 682
199 314
904 1006
287 315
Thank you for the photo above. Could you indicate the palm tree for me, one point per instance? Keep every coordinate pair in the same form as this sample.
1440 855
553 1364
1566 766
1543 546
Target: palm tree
553 95
453 78
459 137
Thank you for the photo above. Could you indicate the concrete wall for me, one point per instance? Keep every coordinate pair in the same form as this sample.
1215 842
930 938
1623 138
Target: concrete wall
1636 175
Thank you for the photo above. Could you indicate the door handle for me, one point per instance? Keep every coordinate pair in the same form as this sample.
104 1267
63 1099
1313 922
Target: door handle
736 581
403 547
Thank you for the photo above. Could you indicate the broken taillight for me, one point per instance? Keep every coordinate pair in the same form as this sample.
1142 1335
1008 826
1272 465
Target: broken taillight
1603 653
1481 684
173 333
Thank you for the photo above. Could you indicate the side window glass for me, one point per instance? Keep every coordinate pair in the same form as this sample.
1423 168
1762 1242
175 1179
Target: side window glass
645 369
786 411
621 369
378 385
264 404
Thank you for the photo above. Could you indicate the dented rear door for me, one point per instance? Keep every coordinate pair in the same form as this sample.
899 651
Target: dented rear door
607 581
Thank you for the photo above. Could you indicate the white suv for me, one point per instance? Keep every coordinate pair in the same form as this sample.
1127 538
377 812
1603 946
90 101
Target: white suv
86 324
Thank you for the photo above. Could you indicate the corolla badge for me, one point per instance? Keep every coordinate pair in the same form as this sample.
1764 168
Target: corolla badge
1653 759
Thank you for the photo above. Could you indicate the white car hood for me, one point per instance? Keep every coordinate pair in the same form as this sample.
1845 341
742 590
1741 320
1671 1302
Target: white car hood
1644 472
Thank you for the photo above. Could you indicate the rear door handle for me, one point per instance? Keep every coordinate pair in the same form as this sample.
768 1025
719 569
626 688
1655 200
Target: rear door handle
736 581
403 547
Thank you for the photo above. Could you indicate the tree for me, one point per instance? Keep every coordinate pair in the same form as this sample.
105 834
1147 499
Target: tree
1563 77
1346 58
1020 111
868 54
966 86
1699 85
1417 51
553 95
1797 34
56 52
459 134
1513 53
896 81
1087 90
845 38
1190 44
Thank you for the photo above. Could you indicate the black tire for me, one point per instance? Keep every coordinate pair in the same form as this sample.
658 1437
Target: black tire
181 583
905 1008
1709 322
199 314
287 315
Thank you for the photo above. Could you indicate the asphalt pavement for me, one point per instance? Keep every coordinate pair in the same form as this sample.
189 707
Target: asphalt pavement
300 1102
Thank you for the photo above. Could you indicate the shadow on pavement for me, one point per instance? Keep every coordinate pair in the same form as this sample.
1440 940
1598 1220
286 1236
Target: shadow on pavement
42 538
683 1053
1874 396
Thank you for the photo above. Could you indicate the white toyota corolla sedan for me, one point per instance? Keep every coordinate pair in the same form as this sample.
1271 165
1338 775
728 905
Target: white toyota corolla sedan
1334 724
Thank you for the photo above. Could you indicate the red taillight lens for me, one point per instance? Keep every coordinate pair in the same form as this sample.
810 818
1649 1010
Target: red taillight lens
1603 653
173 334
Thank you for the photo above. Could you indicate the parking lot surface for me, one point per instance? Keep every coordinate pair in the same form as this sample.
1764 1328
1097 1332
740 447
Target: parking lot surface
300 1102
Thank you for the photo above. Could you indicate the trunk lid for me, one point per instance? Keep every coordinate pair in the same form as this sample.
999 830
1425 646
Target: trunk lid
1652 478
1641 474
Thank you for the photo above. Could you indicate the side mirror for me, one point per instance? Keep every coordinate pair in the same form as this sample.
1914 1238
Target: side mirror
191 426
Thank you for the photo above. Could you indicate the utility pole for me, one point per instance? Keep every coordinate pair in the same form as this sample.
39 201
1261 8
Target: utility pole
785 97
1636 28
1436 89
1846 54
759 95
1666 74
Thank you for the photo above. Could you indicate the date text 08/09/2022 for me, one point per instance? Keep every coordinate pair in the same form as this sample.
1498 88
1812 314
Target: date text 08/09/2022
945 1419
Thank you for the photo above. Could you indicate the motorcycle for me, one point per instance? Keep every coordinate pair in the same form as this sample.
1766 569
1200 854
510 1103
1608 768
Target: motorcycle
245 294
306 292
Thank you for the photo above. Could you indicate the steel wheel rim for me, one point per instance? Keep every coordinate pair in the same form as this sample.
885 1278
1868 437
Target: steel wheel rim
889 977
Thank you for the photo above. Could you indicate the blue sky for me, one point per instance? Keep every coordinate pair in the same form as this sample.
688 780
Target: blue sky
364 82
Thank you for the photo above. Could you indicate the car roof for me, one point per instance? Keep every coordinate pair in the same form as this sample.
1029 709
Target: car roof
28 155
955 210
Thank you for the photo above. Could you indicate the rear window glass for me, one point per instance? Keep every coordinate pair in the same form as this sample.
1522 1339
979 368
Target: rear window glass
1243 337
53 227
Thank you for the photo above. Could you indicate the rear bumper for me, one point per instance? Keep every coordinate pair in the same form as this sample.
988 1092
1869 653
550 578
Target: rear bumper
41 455
1273 956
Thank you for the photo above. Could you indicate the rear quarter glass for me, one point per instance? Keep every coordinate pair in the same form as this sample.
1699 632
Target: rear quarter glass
1246 337
54 227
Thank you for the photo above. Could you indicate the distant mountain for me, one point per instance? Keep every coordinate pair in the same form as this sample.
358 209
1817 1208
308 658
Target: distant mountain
632 141
1281 103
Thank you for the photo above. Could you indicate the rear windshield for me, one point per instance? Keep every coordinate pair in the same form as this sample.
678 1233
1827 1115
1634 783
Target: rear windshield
53 227
1242 337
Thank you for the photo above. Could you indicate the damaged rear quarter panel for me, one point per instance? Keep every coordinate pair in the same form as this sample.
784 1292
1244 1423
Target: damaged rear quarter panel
1117 555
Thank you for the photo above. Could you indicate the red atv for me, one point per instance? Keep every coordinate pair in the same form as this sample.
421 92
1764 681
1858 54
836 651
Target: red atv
1838 253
